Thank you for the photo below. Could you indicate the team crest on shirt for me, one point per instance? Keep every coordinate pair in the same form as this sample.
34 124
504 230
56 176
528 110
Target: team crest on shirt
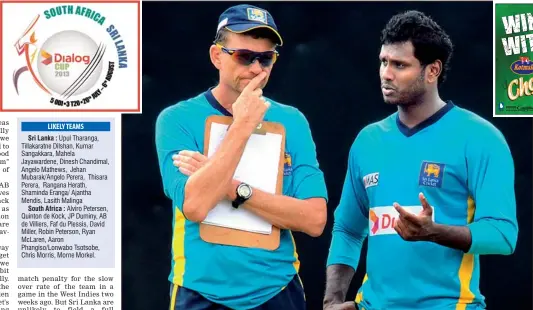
287 166
431 174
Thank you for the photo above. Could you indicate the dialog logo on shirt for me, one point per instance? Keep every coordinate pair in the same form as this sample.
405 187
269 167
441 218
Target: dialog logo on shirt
374 222
381 219
431 174
371 179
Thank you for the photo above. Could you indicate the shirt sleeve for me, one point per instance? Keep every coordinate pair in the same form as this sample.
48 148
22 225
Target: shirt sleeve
171 136
350 227
308 179
491 181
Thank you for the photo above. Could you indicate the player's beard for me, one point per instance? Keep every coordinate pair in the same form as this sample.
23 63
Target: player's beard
412 95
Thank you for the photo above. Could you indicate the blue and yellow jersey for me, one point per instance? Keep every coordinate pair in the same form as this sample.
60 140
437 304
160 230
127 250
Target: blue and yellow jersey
239 278
464 167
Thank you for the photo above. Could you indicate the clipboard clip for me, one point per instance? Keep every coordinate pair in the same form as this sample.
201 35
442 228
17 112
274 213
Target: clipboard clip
259 130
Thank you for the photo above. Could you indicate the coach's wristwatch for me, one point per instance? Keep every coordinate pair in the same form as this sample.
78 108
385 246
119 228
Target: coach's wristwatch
244 192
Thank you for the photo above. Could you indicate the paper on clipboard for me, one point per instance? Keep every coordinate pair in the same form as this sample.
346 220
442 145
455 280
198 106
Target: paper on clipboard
258 168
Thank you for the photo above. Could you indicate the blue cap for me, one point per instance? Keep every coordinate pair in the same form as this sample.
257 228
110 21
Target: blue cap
244 17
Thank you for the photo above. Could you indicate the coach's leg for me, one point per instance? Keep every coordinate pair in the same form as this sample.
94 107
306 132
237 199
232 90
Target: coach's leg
182 298
292 297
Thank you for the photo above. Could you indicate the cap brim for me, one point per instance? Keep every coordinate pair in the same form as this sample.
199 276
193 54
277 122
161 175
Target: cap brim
242 28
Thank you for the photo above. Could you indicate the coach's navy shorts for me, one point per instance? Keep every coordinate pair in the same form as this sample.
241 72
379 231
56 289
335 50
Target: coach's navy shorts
292 297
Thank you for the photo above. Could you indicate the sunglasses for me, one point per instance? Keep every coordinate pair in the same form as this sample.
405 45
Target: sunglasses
247 57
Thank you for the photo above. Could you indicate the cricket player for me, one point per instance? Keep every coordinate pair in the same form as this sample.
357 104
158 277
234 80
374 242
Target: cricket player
432 186
212 276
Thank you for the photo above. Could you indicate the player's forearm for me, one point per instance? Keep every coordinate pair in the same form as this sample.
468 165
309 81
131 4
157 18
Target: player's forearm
307 216
208 185
338 279
482 237
493 236
455 237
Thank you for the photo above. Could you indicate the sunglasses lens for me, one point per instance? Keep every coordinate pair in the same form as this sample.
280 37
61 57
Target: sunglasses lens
267 59
244 57
247 57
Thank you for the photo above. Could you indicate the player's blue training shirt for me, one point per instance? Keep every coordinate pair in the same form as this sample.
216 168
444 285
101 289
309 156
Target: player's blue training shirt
464 167
239 278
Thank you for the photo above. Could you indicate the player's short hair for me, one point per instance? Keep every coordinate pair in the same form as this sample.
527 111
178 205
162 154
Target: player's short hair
258 33
429 40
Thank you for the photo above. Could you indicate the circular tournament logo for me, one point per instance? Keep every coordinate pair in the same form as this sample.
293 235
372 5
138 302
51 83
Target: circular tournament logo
69 65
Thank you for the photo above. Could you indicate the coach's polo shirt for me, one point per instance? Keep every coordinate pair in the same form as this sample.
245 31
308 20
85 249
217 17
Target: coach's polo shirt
236 277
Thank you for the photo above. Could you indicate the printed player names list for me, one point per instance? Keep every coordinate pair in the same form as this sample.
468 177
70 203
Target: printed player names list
66 194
